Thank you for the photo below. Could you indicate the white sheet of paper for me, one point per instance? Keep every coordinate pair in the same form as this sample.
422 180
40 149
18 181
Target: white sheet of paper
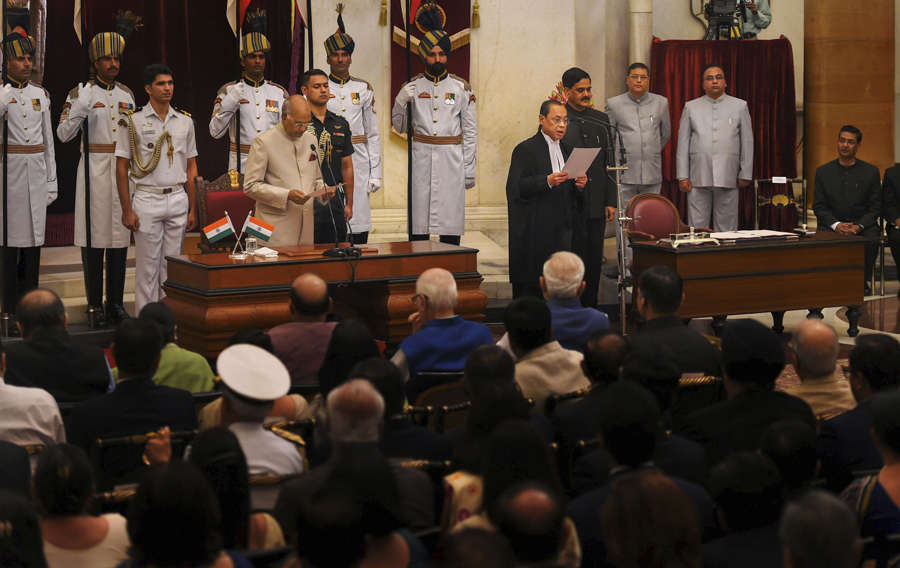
579 161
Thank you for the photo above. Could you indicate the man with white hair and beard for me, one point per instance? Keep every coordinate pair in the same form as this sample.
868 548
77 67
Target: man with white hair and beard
441 339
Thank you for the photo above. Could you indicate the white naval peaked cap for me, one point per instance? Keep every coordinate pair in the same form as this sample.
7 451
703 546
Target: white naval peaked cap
253 372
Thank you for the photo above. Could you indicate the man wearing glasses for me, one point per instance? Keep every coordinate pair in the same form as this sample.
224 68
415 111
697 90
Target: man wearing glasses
642 119
715 153
282 172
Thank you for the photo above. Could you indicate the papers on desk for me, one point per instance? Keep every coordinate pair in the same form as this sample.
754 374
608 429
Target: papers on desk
265 252
753 235
579 161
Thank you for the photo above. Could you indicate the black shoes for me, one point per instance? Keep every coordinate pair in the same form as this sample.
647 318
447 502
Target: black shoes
95 317
115 314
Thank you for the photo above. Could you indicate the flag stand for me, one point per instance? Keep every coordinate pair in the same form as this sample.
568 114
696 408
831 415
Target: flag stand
234 254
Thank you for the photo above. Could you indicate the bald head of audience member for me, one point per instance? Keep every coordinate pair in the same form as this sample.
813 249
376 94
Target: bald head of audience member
40 309
531 518
660 292
488 365
475 547
436 294
818 530
815 350
310 301
604 354
563 276
295 116
355 412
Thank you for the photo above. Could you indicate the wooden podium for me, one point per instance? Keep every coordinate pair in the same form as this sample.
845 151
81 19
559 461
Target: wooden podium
214 296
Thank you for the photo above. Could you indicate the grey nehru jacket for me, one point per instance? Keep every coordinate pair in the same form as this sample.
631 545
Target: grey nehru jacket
715 142
644 125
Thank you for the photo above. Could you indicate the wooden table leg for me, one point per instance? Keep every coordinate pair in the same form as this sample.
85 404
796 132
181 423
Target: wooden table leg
778 322
815 313
853 313
718 324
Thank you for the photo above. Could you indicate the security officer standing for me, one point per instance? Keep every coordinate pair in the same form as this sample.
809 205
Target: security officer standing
353 99
259 99
589 128
156 151
102 101
31 171
335 147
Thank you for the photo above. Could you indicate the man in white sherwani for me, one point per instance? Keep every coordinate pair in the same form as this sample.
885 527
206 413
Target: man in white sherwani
444 142
715 153
31 171
354 99
102 101
259 99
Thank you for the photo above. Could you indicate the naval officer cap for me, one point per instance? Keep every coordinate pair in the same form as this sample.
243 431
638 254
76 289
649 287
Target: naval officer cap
253 373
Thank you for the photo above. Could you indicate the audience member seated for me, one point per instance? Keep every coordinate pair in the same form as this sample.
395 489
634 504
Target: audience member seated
351 342
301 343
15 469
400 438
649 521
475 547
441 340
817 530
660 292
748 493
515 453
48 357
791 445
544 368
73 538
252 380
814 352
874 498
562 284
355 412
174 520
531 517
137 406
629 431
218 455
178 368
20 539
845 441
752 358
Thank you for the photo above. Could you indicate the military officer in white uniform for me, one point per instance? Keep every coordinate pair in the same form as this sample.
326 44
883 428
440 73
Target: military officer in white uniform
715 153
642 119
31 173
156 151
103 101
354 99
259 99
444 141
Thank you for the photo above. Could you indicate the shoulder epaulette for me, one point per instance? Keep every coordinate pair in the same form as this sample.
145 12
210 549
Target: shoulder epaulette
286 94
38 85
415 77
224 87
125 88
73 92
463 81
184 112
368 85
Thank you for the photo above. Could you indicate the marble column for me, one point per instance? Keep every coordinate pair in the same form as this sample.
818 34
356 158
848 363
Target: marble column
640 30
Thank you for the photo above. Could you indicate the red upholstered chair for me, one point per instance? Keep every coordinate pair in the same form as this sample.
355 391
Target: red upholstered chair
655 217
213 199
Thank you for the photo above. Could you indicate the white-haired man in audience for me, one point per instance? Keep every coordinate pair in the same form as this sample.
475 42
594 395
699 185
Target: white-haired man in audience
814 352
562 284
441 339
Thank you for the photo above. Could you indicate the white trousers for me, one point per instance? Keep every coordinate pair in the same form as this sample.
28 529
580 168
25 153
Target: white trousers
163 219
720 203
629 190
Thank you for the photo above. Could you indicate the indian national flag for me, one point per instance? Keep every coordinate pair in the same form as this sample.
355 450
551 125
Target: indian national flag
218 230
257 228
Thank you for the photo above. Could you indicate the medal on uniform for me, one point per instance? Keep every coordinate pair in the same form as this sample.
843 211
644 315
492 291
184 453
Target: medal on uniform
271 105
449 98
97 104
36 103
123 106
354 98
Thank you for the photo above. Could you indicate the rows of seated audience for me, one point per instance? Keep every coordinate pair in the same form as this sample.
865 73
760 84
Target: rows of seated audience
563 444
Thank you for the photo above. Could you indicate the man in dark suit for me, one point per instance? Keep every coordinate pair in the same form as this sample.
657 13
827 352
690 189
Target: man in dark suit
539 197
752 358
48 357
848 196
891 210
845 441
137 406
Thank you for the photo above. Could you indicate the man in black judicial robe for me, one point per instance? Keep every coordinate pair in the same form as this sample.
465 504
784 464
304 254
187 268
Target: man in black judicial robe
539 200
596 204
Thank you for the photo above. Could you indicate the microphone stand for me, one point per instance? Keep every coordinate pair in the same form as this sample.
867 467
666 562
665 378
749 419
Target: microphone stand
619 166
338 252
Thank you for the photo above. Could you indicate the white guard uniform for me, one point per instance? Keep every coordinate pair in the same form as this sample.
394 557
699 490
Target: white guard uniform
354 100
260 110
159 199
444 148
32 163
105 105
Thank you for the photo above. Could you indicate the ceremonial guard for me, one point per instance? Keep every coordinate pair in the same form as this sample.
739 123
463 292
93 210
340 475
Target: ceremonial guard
102 101
30 172
259 99
353 99
444 139
163 205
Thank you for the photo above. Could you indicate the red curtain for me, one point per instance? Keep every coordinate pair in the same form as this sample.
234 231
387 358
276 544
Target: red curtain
192 37
760 72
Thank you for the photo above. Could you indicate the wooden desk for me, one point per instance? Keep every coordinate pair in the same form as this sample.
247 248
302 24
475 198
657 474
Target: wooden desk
825 269
214 296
